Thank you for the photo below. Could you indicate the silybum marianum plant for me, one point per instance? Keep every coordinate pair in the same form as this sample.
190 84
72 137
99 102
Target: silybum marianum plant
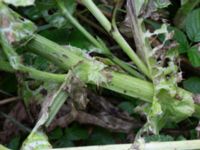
153 78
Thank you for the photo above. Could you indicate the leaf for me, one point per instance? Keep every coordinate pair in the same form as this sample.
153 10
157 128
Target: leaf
162 3
64 142
181 38
165 107
77 39
14 143
51 13
76 132
194 56
160 138
126 106
36 141
183 2
20 2
192 84
192 25
60 36
101 137
150 6
16 29
91 72
56 134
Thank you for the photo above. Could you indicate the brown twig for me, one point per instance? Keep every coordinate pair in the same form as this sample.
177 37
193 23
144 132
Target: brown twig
8 100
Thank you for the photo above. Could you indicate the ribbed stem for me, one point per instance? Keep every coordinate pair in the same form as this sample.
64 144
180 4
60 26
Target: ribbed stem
124 84
95 42
119 83
116 35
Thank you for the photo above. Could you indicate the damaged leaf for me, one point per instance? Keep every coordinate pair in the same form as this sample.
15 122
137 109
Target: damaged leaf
91 72
16 29
36 141
167 101
20 2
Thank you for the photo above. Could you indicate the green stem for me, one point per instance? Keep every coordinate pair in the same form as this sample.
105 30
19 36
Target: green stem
116 35
183 12
171 145
123 84
59 99
120 83
67 14
12 56
127 68
33 73
95 42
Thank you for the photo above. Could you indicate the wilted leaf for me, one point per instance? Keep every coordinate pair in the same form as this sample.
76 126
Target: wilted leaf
16 29
91 72
150 6
20 2
36 141
192 25
164 107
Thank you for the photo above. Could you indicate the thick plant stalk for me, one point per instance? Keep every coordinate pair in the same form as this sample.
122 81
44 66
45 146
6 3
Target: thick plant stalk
178 145
116 35
66 59
120 83
96 43
183 12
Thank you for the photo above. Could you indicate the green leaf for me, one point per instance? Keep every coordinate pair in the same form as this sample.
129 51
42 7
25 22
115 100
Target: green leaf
14 143
181 38
60 36
126 106
101 137
76 132
160 138
56 134
49 11
162 3
20 2
192 84
192 25
194 56
77 39
64 142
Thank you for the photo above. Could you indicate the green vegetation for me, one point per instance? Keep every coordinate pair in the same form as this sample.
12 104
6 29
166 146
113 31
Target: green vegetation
85 72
